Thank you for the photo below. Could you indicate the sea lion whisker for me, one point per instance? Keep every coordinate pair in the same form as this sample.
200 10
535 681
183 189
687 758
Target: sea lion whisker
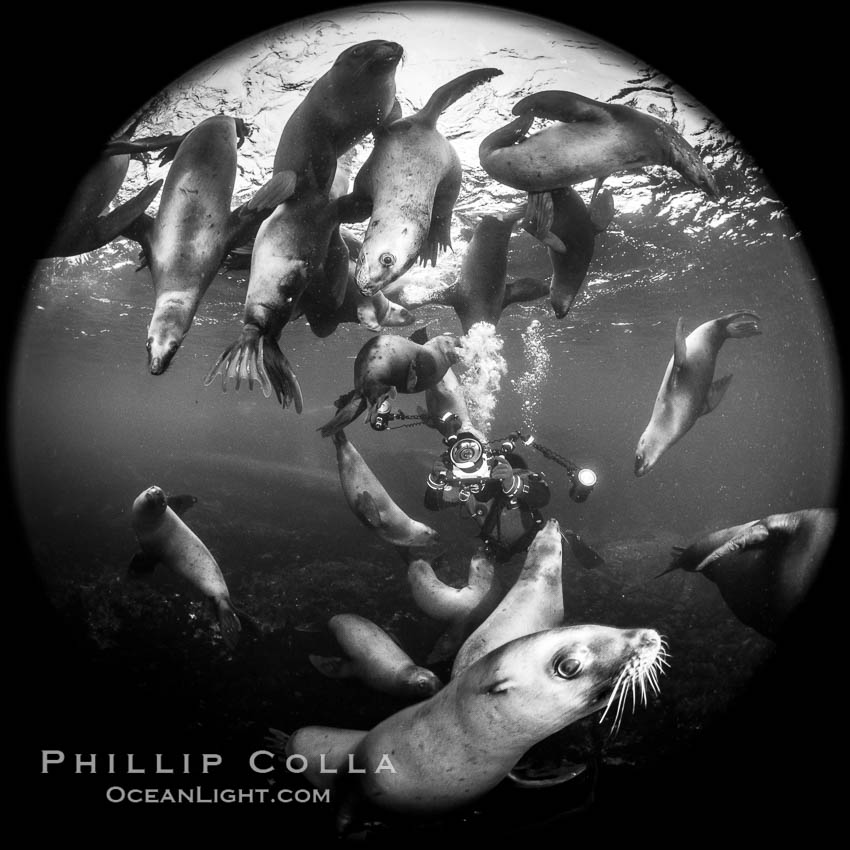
613 694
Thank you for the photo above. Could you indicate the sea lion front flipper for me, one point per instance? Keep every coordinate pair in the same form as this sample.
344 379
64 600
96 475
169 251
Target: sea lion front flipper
181 503
452 91
524 289
366 510
117 222
352 208
332 667
228 621
277 740
601 208
420 335
539 215
680 350
142 564
348 407
412 377
527 776
589 558
715 393
272 193
565 106
753 535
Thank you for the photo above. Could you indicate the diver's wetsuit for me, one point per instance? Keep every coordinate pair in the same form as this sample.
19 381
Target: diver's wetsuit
506 510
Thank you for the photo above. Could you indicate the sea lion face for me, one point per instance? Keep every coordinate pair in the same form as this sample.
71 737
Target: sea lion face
150 504
647 453
375 57
390 247
168 328
554 678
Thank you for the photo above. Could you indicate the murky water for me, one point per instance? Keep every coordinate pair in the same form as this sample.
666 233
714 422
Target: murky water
92 428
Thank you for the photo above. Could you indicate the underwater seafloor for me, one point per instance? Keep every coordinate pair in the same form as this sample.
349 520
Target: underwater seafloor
91 429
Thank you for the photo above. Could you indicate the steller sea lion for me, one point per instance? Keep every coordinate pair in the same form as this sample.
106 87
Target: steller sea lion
194 229
372 505
388 364
409 185
374 658
689 390
589 141
86 226
448 751
534 603
353 98
445 406
464 608
764 568
166 539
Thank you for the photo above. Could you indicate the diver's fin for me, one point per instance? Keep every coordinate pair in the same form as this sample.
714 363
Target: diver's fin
228 622
333 668
715 392
753 535
142 564
366 510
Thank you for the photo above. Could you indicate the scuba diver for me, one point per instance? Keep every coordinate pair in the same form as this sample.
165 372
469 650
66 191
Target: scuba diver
495 486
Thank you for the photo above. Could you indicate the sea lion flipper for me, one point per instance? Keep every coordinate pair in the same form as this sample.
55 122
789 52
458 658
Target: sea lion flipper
352 208
680 347
348 406
565 106
601 208
412 377
753 535
272 193
228 622
135 146
452 91
142 564
181 503
332 667
420 335
367 511
118 221
742 324
715 393
539 215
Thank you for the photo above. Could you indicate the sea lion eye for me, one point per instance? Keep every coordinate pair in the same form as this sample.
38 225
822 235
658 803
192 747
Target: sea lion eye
568 668
386 259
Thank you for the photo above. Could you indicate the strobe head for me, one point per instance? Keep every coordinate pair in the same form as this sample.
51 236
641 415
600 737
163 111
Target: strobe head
382 416
583 482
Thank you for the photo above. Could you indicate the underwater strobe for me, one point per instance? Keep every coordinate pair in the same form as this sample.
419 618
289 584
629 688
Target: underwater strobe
582 479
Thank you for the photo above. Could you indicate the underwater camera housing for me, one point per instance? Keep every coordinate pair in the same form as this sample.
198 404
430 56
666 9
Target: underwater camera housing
467 455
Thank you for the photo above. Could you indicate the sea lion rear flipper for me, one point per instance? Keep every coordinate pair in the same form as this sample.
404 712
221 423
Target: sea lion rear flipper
152 143
228 622
452 91
565 106
142 564
715 392
539 215
366 510
753 535
333 668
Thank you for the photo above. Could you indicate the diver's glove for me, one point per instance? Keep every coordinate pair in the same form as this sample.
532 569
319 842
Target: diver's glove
503 471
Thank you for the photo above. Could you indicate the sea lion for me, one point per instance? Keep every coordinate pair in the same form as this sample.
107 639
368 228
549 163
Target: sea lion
194 229
297 247
534 603
374 658
353 98
325 749
86 226
389 364
464 608
589 141
451 749
764 568
166 539
409 185
689 390
445 406
372 505
576 227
